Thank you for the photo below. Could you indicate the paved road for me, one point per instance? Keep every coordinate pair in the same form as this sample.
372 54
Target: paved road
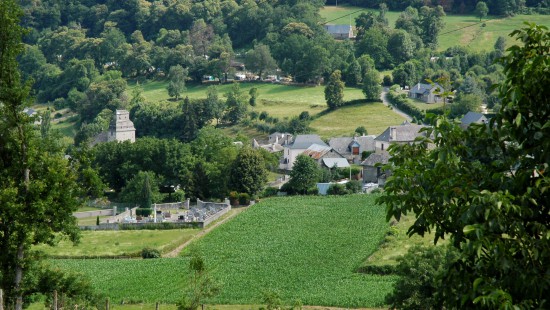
394 109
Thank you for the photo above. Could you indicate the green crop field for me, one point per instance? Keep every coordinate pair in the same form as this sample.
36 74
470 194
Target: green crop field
120 243
305 248
462 30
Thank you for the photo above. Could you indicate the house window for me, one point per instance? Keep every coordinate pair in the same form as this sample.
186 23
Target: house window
355 150
382 146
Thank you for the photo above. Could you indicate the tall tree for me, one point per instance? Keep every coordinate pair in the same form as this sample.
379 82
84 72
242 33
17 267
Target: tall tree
431 23
37 187
248 173
236 104
176 78
371 85
334 90
486 189
481 10
305 173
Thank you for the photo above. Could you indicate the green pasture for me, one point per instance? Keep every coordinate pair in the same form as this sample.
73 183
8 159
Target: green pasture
341 14
462 30
305 248
120 243
374 116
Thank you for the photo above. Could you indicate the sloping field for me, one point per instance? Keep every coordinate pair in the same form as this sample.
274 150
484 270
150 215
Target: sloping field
305 248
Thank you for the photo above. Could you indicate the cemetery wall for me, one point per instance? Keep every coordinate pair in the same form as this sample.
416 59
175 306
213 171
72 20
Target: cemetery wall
121 216
139 226
95 213
217 215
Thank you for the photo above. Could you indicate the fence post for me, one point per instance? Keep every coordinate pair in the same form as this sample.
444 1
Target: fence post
54 300
1 299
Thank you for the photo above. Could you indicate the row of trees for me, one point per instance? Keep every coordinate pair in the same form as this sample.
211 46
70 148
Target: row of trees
495 7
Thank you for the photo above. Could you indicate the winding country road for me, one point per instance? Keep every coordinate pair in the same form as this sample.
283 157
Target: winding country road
394 109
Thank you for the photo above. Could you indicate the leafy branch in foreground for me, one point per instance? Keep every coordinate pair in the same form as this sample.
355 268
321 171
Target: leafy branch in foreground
487 188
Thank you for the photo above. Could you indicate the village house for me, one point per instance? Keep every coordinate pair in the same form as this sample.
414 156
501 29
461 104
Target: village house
472 118
275 142
405 133
352 148
310 145
340 32
428 93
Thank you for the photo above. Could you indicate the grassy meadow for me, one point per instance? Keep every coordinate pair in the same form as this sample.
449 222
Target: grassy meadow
305 248
120 243
286 101
462 30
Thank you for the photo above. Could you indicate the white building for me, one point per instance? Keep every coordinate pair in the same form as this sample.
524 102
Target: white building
121 128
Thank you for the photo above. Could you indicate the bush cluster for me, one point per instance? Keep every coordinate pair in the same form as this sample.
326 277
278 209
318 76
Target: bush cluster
401 102
150 253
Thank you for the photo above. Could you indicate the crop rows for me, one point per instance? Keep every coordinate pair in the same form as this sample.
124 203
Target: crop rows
306 249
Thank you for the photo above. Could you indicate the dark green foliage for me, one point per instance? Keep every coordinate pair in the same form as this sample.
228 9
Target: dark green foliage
176 81
37 186
236 105
401 102
337 189
354 186
142 189
244 199
97 221
248 172
382 270
485 188
371 85
144 212
147 253
334 90
270 192
421 276
305 173
361 130
481 10
259 60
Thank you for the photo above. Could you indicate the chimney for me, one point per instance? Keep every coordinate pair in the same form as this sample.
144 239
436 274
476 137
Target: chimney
393 133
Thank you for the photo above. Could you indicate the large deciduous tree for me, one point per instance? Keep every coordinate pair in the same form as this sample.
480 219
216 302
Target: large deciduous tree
37 187
305 173
176 81
481 10
248 172
259 60
371 85
334 90
486 189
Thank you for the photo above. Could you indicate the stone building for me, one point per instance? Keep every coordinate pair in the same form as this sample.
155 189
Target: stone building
121 127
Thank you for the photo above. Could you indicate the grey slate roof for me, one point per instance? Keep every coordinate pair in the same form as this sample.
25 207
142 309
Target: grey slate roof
422 88
473 117
342 144
338 29
339 162
305 141
402 133
376 158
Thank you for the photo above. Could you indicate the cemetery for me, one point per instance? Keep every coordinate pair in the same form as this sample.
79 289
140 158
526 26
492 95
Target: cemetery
163 216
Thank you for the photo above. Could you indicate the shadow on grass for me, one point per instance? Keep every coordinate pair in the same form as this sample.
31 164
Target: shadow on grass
350 103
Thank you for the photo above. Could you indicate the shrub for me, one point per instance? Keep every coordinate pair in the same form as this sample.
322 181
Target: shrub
97 221
313 191
337 189
354 187
144 212
244 199
270 191
150 253
234 198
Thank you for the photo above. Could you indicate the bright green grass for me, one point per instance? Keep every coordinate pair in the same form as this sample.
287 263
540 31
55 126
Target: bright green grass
421 105
306 248
125 242
480 38
398 243
462 30
374 116
341 14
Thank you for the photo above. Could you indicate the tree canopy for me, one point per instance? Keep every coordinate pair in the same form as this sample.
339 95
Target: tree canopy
486 188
